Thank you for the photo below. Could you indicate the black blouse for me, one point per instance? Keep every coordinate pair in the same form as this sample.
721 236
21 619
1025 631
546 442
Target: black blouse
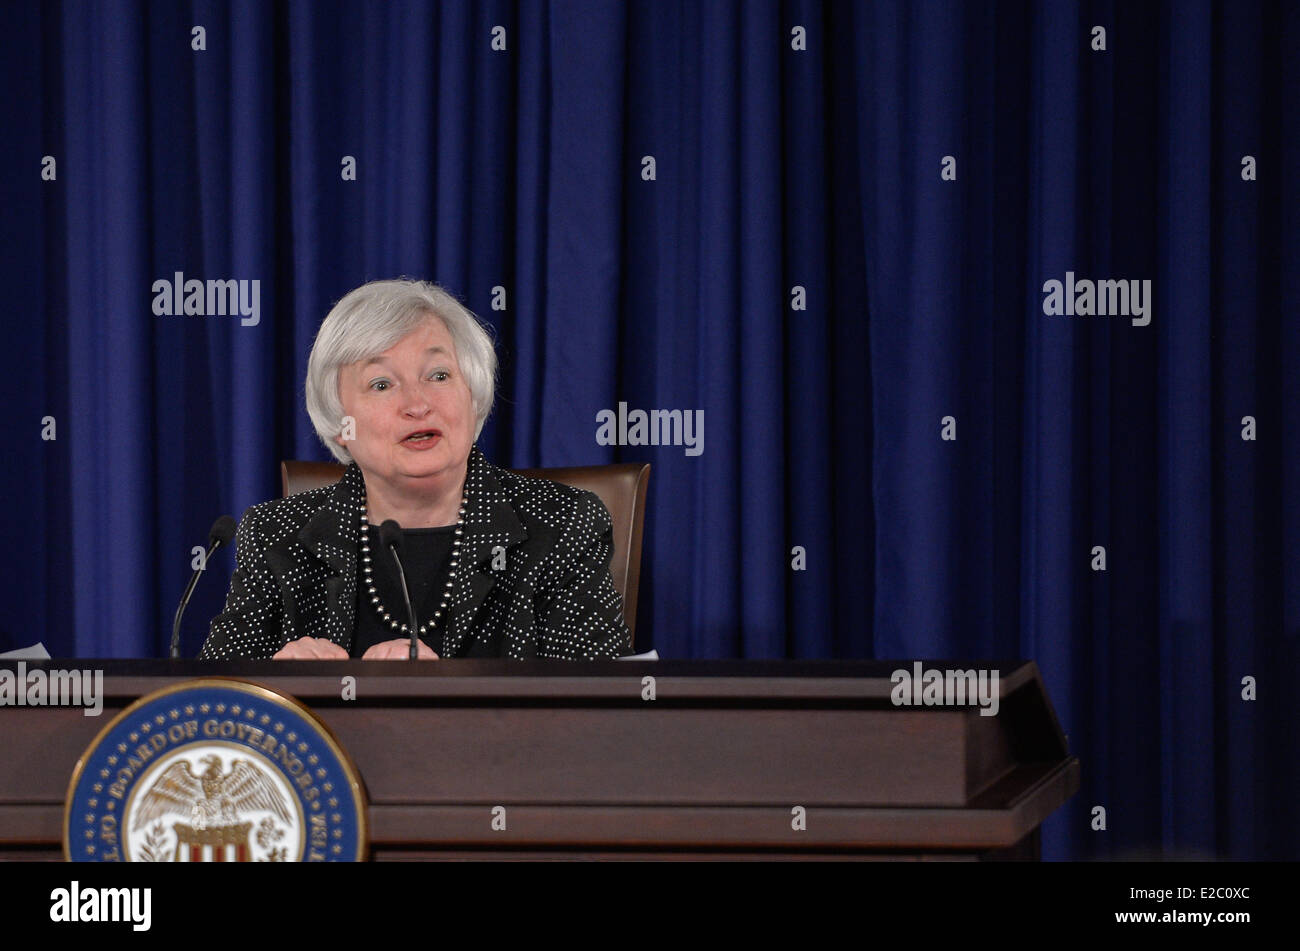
426 554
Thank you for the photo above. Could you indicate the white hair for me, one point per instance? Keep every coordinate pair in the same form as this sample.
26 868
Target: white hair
370 320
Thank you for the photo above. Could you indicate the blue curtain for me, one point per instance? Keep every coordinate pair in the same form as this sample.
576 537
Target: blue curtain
828 226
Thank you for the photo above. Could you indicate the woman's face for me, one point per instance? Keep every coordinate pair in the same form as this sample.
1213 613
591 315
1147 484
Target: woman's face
413 387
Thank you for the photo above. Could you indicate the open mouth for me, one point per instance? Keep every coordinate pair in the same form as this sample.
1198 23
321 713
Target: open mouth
423 435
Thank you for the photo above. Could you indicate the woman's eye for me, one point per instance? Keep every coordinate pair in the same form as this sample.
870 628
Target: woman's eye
440 375
379 385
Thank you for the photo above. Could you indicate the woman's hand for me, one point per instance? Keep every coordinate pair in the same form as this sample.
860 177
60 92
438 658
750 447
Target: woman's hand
311 648
399 649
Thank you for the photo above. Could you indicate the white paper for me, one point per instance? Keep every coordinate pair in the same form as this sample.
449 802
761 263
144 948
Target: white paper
36 652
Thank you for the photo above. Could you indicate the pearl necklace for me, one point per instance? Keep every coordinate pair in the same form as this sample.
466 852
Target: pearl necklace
451 573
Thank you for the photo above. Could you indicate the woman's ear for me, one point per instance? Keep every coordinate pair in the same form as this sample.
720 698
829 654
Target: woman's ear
347 431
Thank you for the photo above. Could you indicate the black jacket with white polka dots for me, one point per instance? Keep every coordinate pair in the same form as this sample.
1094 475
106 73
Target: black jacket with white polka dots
533 579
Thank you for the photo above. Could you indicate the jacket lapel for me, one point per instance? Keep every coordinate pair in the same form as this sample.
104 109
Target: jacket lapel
490 521
332 535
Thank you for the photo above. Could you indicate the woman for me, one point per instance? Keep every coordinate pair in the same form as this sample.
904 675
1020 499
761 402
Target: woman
399 382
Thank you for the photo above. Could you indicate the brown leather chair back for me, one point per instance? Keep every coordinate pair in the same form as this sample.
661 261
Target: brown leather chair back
622 487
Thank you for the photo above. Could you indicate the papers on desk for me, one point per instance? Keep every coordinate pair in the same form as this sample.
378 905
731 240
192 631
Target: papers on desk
36 652
648 655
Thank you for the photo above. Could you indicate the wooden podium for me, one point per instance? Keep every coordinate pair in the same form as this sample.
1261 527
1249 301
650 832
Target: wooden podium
718 765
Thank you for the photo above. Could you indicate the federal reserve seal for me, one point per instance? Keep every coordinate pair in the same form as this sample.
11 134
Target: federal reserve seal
215 770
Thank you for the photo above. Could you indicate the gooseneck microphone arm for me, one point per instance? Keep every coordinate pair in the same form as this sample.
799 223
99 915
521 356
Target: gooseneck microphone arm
390 537
222 531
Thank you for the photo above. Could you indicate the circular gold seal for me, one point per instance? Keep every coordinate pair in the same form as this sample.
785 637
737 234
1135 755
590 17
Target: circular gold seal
215 770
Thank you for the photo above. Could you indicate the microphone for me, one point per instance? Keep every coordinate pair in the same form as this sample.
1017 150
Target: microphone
221 532
390 536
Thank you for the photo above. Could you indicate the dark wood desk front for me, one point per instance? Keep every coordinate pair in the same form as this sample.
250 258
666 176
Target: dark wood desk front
716 766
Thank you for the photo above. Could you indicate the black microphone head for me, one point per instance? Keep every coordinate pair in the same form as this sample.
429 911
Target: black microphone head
390 535
222 531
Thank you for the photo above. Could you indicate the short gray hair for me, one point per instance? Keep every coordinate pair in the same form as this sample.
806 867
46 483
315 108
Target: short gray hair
374 317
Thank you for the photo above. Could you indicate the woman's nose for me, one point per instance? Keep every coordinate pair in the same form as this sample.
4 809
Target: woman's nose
416 405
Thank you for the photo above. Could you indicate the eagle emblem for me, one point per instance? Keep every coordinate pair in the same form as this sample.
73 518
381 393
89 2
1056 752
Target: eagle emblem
214 806
210 798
